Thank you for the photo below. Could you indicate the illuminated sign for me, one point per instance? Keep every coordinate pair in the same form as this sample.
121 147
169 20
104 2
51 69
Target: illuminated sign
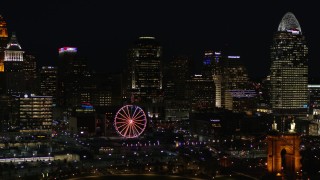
214 120
146 37
294 31
86 106
217 53
233 57
68 49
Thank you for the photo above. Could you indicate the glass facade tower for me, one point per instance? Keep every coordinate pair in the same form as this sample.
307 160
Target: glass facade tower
145 71
289 69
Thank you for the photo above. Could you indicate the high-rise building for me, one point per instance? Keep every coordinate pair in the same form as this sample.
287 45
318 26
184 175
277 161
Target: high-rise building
3 41
48 81
201 93
176 104
32 114
73 78
175 77
228 73
66 56
144 70
14 67
289 69
213 68
235 73
30 67
234 77
212 63
30 70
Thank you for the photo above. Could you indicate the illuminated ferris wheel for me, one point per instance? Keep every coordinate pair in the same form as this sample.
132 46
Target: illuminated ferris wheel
130 121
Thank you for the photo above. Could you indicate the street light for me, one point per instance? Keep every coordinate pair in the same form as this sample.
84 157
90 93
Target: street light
49 156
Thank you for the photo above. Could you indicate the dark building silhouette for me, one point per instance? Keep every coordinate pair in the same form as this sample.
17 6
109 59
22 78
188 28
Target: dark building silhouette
176 74
30 70
73 78
48 81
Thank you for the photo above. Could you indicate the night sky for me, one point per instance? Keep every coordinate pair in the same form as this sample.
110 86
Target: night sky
104 30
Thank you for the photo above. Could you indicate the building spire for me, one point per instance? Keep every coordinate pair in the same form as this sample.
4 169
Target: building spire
13 43
289 23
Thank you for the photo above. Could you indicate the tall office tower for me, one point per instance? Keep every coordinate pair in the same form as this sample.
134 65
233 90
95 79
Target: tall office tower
201 93
228 73
212 63
3 41
144 70
176 77
30 70
176 104
14 67
32 114
73 77
235 77
235 73
289 69
213 68
66 56
48 81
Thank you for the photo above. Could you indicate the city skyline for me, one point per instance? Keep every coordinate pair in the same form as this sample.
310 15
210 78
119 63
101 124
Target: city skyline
142 89
182 29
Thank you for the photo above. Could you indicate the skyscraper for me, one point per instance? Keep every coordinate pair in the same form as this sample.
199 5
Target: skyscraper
30 70
213 68
14 67
175 77
201 93
66 56
144 68
73 77
48 81
212 63
228 74
3 41
289 69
